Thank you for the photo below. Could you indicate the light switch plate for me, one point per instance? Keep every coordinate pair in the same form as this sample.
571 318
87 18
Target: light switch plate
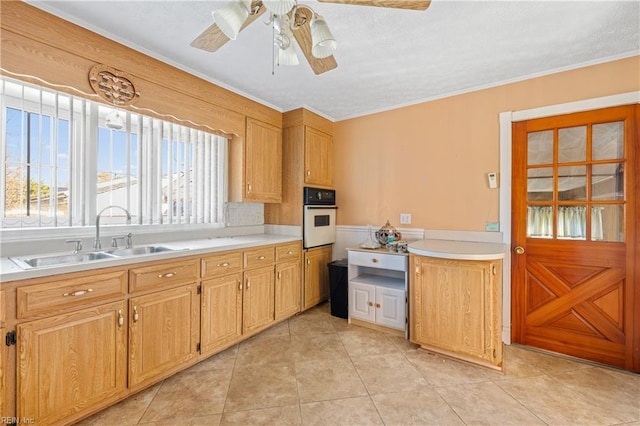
405 218
492 226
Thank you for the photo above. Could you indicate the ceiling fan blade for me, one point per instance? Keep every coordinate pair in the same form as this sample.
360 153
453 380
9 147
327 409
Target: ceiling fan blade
213 38
210 40
303 36
398 4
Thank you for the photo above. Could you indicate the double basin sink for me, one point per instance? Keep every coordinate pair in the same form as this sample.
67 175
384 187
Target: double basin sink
41 261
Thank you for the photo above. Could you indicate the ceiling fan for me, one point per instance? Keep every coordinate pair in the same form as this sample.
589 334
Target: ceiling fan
289 21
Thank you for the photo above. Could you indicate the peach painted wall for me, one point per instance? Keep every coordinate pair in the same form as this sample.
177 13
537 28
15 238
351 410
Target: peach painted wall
431 159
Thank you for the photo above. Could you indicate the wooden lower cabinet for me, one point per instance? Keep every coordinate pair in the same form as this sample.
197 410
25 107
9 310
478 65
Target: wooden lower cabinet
164 332
71 362
456 308
287 290
316 276
258 299
221 312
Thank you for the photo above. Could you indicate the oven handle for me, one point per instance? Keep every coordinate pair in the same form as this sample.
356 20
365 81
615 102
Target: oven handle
321 207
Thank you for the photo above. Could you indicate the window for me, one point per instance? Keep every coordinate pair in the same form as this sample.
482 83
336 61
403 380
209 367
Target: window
66 158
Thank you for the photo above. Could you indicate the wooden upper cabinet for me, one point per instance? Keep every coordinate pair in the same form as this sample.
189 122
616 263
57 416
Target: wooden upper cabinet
263 162
318 158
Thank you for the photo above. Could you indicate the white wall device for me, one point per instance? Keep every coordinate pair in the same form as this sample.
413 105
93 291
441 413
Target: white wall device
493 179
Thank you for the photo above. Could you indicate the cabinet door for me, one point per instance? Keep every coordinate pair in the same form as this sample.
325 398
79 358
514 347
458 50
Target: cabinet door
288 288
361 301
221 312
316 276
263 163
390 307
318 158
453 307
258 299
70 362
164 331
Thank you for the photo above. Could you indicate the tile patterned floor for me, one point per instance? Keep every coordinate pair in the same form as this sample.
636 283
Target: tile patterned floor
315 369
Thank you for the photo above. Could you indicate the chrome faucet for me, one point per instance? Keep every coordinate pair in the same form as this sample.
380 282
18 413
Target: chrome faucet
96 243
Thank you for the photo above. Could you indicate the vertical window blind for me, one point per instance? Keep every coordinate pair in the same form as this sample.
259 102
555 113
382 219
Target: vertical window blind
64 161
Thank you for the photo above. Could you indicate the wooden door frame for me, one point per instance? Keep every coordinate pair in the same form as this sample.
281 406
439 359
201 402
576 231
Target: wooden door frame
506 120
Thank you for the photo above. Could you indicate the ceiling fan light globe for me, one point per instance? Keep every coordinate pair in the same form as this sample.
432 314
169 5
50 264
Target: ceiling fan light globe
288 56
231 17
279 7
323 43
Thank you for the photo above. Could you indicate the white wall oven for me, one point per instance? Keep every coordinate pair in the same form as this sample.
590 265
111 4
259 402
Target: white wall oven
319 227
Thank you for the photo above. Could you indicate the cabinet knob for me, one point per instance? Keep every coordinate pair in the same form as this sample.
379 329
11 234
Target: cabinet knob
519 250
370 303
167 275
223 265
136 316
278 274
260 258
78 292
249 188
308 172
374 260
377 305
239 286
120 318
248 286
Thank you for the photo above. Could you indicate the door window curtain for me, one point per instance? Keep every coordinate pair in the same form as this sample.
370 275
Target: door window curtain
572 222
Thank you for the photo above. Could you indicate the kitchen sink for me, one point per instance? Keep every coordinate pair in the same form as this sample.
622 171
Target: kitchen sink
42 261
137 251
28 262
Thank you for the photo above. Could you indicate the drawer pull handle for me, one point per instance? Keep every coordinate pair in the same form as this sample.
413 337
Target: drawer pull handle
374 260
136 316
248 286
261 258
167 275
120 318
78 292
289 252
223 265
278 274
239 286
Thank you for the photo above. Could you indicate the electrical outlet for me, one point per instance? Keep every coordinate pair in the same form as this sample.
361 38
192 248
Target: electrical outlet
405 218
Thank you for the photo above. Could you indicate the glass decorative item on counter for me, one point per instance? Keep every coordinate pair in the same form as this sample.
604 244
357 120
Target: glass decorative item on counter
369 243
388 234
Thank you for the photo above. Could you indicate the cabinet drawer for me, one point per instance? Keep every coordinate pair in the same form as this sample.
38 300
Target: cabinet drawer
259 257
288 252
378 260
157 276
70 292
221 264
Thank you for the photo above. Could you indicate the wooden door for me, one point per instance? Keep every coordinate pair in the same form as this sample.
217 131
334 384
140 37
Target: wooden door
288 289
316 275
221 312
390 307
164 331
70 362
361 301
575 219
318 158
263 162
258 299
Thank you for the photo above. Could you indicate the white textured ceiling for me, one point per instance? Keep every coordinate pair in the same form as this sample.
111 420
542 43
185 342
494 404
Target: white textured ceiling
386 57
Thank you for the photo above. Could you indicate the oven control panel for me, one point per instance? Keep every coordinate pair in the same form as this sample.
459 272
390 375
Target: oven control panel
319 197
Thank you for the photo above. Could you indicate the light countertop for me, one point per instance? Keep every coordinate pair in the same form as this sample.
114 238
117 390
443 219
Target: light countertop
9 271
460 250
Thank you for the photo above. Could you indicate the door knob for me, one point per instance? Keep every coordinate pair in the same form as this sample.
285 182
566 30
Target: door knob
519 250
